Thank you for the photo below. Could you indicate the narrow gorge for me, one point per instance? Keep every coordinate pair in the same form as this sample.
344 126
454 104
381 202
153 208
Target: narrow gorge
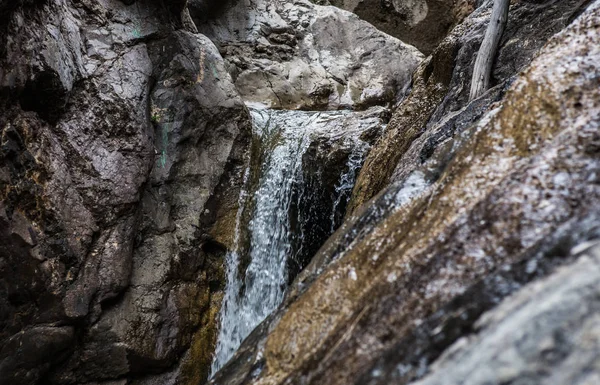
298 192
288 211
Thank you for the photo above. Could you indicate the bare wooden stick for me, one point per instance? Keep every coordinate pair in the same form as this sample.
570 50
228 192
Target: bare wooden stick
485 57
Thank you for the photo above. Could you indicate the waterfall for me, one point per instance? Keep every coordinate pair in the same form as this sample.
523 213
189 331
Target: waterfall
285 137
229 306
344 187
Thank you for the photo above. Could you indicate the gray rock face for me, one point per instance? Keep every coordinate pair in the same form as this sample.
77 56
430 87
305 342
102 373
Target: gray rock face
124 135
116 129
547 333
422 23
296 55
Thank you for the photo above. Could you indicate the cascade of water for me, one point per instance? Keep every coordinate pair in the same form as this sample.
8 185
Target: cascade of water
285 137
287 133
232 261
343 189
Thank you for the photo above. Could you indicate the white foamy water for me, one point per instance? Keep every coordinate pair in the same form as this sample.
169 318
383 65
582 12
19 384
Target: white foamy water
285 137
344 187
269 229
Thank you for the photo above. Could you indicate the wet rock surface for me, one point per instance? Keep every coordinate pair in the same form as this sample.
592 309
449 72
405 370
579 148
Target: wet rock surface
330 166
113 140
302 169
501 204
468 253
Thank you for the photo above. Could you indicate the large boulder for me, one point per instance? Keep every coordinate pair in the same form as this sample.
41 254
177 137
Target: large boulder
297 55
422 23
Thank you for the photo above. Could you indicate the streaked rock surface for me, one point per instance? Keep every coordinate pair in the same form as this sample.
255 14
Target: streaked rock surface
496 207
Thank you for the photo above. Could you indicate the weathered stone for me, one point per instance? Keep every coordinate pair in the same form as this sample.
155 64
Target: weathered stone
516 191
298 55
124 137
422 23
547 333
29 354
101 195
438 104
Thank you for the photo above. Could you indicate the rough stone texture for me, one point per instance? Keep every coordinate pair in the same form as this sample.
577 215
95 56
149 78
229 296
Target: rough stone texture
438 105
25 356
116 127
495 207
422 23
564 350
123 140
330 164
296 55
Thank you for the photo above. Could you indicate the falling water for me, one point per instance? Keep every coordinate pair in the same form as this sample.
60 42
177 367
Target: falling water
285 136
229 307
344 187
270 242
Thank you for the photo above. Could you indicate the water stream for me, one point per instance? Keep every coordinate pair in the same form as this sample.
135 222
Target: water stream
285 137
343 188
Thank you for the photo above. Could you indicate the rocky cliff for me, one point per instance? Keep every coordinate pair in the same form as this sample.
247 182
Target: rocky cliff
466 251
114 138
459 207
124 140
